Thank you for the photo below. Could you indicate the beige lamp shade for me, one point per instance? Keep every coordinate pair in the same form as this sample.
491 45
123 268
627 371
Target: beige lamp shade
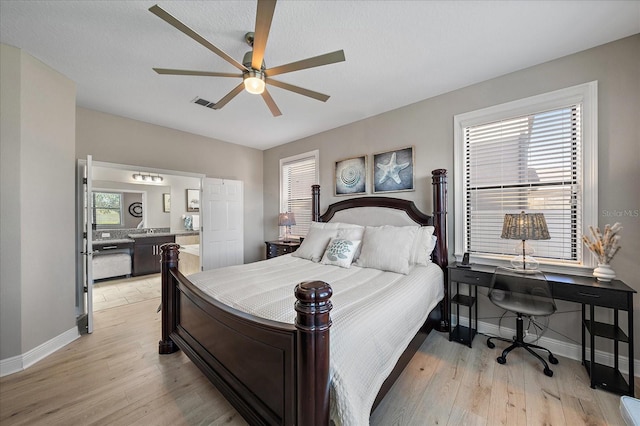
525 226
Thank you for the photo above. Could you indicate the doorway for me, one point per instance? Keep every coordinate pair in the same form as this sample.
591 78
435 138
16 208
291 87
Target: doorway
157 201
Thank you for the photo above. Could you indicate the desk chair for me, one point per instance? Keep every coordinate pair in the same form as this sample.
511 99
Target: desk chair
525 294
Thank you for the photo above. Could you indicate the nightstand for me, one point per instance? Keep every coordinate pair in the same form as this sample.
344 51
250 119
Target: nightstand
278 248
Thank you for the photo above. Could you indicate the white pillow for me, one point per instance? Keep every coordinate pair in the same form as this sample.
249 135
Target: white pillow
387 248
351 233
340 252
423 245
319 225
314 244
335 225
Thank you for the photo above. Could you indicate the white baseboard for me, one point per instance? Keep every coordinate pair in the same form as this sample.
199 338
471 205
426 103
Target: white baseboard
558 347
21 362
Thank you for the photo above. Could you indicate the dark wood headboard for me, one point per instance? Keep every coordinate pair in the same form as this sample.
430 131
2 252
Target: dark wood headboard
438 219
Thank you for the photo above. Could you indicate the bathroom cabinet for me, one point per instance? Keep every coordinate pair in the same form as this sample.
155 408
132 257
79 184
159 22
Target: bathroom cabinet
146 253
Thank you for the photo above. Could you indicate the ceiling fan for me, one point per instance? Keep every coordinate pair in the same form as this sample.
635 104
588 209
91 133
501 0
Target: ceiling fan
254 75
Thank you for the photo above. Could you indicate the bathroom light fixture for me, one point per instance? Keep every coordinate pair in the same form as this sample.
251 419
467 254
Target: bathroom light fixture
141 177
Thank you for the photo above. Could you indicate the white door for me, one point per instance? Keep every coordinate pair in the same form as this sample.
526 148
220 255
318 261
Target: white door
88 244
222 225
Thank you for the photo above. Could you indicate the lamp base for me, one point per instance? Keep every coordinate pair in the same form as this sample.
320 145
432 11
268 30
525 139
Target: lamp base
524 263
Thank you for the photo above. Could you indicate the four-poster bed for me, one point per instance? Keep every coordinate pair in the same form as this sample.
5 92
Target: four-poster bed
275 372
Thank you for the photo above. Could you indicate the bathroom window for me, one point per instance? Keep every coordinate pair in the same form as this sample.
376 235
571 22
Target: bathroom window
107 209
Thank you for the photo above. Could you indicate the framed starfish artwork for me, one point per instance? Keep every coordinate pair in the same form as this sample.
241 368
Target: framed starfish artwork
351 176
393 170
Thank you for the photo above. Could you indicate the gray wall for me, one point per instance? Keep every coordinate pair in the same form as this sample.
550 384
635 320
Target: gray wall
428 125
37 297
109 138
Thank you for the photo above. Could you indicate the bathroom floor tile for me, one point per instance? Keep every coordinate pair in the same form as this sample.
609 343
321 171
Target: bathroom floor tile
122 291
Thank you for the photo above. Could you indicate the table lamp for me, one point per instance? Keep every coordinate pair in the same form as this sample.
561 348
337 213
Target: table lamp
286 220
525 226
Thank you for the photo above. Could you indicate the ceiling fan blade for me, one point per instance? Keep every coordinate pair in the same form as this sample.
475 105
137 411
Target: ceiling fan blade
264 15
165 16
301 91
171 71
271 103
316 61
232 94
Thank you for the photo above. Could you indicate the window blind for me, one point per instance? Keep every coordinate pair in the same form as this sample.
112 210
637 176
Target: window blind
297 177
530 163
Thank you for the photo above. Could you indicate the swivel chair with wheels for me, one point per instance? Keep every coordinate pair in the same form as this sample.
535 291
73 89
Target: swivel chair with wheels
526 295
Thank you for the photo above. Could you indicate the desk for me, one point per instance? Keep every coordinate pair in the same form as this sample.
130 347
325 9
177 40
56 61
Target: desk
587 291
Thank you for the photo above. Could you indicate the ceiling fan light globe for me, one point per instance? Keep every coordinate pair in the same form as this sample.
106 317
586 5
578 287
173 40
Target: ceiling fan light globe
254 85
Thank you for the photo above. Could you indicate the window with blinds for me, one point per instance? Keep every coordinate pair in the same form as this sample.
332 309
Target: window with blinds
297 174
107 209
529 163
529 155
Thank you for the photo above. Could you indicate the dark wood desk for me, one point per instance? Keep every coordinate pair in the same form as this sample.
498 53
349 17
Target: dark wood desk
587 291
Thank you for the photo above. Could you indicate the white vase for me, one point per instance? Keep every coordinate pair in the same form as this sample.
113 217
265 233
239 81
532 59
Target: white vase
604 272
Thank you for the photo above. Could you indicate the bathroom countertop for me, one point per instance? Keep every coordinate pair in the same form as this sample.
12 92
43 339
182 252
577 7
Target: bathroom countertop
112 241
130 238
187 232
162 234
151 234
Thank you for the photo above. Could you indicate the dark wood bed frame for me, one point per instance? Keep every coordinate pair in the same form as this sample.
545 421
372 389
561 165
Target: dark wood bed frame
275 373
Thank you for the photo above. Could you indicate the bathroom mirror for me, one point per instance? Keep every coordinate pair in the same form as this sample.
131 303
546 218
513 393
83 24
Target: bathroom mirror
117 206
121 202
162 197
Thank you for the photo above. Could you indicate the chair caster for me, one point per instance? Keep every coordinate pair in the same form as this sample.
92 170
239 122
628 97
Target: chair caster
502 360
490 344
553 359
548 372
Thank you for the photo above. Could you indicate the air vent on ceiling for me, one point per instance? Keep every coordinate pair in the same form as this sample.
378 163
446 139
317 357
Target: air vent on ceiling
203 102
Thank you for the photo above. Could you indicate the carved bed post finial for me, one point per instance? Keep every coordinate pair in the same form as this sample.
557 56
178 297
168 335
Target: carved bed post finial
313 322
315 203
439 180
169 261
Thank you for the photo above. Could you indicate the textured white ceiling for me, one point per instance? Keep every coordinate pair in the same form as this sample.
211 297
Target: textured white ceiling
397 53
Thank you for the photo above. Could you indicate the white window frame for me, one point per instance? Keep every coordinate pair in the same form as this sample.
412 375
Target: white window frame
94 208
585 94
283 161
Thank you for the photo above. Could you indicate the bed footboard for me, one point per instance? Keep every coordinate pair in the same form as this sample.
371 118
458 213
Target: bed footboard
271 372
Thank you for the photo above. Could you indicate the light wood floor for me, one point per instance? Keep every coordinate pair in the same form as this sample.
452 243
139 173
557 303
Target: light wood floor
116 377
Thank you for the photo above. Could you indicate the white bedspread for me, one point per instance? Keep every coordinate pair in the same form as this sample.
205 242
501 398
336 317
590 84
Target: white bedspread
375 315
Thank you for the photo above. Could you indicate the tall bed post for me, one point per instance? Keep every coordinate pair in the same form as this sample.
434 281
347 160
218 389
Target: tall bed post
313 322
315 203
439 181
169 261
